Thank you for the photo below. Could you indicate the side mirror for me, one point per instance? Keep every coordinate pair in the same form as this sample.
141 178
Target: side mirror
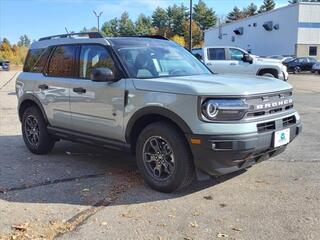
247 58
102 74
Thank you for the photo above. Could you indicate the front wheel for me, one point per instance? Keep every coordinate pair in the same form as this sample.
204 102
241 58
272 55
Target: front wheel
269 75
164 158
34 131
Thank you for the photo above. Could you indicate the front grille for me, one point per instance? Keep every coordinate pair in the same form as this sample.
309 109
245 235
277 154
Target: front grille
289 121
269 104
267 126
271 125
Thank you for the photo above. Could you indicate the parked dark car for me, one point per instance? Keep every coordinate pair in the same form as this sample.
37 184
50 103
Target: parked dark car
4 65
301 64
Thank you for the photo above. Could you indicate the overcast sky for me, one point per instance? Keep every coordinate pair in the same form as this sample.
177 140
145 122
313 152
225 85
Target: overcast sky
38 18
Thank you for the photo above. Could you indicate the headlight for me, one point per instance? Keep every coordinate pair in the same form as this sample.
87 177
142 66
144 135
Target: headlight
223 109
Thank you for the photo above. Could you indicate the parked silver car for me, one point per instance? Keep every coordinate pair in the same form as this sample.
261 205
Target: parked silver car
151 97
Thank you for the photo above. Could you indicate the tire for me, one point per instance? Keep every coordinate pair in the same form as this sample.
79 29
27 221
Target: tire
174 153
34 132
296 70
269 75
318 71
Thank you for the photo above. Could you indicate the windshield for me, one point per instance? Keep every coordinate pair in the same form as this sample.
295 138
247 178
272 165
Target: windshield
163 60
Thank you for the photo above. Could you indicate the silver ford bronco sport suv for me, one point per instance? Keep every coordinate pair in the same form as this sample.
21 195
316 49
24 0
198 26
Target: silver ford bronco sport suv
153 98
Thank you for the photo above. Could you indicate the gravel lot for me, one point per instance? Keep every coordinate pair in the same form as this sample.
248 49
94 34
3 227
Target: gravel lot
82 192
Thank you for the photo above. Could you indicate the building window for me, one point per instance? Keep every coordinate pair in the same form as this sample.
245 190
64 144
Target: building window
312 51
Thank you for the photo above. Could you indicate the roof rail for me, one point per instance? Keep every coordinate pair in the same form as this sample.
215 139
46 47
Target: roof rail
153 36
70 35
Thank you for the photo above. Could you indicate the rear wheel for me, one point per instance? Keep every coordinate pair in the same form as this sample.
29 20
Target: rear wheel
296 70
164 158
34 131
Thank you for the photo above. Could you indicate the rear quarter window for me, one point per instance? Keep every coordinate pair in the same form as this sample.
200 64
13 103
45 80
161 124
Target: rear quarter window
36 60
32 57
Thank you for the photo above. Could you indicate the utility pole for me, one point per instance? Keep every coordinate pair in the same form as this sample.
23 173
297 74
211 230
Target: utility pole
98 18
190 27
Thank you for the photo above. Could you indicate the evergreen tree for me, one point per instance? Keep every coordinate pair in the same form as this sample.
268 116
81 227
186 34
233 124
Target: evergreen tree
205 17
126 26
159 20
234 15
111 28
143 25
6 41
24 41
176 16
267 5
84 29
250 10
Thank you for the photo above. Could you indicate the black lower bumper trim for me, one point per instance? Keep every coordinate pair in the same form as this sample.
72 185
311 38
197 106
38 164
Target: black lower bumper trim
222 154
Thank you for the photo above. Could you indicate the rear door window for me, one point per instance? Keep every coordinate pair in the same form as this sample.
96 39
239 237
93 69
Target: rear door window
62 62
216 54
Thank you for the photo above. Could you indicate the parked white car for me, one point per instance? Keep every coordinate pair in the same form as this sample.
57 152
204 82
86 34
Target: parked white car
316 68
283 59
225 59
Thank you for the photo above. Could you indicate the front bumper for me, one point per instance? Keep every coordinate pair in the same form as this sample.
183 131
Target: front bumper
222 154
284 75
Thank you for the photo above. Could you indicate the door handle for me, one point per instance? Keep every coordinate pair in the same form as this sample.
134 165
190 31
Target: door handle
209 64
43 87
232 64
79 90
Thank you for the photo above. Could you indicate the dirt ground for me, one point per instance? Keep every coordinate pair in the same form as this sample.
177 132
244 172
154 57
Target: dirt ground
82 192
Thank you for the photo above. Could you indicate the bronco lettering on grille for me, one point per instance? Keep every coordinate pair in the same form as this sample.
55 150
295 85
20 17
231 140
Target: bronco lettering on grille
274 104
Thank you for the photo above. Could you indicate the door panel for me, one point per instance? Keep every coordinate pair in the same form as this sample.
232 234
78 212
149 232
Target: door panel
53 88
53 94
236 65
99 110
97 107
216 59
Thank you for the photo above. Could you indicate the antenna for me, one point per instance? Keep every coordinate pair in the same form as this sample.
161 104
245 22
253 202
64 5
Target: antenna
66 30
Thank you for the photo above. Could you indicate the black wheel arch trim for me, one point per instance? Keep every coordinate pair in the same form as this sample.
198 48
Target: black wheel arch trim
36 101
156 110
270 70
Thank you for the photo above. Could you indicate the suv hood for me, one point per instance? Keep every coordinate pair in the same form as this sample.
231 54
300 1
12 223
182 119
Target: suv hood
213 85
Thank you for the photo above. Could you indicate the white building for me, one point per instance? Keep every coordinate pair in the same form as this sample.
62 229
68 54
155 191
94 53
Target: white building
289 30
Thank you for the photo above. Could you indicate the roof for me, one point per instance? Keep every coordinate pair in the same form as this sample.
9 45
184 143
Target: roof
60 41
263 13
